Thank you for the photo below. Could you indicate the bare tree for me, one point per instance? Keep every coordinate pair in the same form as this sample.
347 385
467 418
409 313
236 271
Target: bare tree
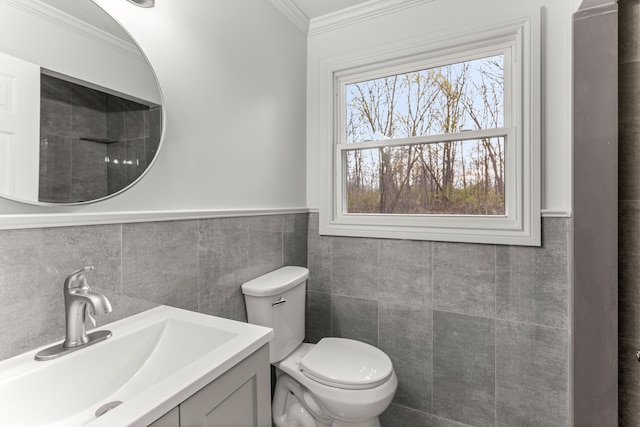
446 177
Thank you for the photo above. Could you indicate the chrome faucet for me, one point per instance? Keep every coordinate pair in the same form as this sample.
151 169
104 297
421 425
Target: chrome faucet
79 302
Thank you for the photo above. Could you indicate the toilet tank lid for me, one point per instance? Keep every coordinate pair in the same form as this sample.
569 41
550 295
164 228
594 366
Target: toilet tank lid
275 282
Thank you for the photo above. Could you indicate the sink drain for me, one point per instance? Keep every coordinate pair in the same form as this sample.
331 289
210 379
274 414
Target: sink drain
107 407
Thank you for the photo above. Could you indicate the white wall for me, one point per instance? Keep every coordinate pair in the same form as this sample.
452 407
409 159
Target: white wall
233 77
436 17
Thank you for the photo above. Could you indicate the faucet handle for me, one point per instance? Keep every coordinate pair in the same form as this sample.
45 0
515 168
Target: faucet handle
77 279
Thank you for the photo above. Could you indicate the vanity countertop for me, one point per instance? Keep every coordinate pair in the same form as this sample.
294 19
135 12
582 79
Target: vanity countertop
153 362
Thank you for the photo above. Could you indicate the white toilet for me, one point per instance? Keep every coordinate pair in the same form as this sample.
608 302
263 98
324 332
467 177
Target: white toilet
337 382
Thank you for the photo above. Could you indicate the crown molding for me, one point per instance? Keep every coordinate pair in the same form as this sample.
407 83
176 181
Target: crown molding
293 13
358 13
70 23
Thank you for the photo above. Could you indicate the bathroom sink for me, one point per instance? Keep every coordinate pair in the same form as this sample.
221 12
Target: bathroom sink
153 361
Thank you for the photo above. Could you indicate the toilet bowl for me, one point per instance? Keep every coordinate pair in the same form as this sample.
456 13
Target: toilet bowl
336 382
343 404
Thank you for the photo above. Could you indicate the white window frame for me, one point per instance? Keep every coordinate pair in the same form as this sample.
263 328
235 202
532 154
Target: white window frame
519 40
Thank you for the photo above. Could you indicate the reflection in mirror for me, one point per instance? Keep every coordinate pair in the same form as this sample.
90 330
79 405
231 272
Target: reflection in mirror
92 143
82 116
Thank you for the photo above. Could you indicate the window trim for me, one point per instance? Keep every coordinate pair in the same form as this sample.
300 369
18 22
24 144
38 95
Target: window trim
521 224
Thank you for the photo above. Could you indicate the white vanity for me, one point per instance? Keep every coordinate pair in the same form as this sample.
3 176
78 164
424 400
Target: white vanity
240 397
167 366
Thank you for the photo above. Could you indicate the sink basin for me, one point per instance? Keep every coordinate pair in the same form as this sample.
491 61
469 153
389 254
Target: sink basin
153 362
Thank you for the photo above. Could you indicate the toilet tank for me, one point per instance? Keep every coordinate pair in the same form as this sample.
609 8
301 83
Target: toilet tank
277 300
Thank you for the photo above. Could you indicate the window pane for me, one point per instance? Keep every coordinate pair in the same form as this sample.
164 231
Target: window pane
454 178
452 98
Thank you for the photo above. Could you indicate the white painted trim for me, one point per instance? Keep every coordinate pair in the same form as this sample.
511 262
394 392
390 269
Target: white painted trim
342 17
70 23
8 222
546 213
358 13
521 225
293 13
470 235
467 135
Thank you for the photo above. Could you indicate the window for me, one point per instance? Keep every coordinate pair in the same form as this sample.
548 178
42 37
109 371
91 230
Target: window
442 144
430 141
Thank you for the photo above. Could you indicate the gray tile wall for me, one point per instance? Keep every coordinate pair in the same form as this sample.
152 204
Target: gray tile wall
197 265
478 334
73 170
491 349
629 212
69 111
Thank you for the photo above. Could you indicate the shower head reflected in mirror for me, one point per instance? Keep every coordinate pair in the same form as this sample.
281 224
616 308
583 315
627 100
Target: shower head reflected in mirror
143 3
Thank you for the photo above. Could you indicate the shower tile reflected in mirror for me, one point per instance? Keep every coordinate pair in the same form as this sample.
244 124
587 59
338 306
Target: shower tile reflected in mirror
92 143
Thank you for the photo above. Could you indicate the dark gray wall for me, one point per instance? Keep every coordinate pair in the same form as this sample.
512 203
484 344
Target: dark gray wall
595 245
629 212
478 334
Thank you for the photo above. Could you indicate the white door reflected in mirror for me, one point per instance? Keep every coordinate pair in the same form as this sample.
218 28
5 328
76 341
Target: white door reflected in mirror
19 127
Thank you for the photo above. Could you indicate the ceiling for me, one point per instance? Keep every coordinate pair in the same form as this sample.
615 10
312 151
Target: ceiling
314 8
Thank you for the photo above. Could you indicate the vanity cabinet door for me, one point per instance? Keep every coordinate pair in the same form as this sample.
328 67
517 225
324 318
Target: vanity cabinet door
239 398
170 419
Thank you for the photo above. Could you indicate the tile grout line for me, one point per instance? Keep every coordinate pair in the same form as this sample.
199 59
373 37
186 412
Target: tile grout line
495 337
121 262
432 326
199 266
378 243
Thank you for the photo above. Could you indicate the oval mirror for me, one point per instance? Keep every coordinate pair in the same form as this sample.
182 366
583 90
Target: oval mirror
80 107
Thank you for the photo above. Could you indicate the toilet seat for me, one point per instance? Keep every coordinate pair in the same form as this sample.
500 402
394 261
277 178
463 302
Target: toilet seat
339 404
346 364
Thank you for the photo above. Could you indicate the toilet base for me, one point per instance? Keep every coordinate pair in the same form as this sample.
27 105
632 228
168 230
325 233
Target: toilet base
294 406
375 422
